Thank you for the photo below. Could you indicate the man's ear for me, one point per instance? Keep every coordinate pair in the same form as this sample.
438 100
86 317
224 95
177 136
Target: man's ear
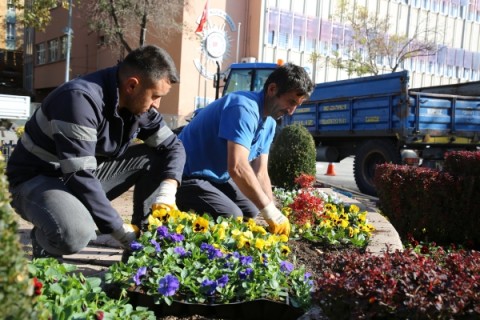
272 89
130 84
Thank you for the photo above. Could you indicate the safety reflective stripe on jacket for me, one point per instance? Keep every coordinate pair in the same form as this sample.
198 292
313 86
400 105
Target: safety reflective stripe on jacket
77 127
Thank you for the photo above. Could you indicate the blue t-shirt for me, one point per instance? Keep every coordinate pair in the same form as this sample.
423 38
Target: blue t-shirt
237 117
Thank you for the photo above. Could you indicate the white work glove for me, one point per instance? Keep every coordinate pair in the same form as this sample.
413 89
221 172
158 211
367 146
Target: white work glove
166 196
126 234
277 222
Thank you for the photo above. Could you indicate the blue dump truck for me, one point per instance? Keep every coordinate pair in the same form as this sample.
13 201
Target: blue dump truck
378 119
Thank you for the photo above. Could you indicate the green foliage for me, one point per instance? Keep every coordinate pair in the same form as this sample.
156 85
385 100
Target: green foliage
61 294
292 154
15 285
38 14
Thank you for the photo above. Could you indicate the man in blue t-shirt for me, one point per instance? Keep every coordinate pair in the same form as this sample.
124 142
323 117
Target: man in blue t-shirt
227 146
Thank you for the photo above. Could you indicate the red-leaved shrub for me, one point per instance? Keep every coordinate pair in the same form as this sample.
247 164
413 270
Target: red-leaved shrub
400 285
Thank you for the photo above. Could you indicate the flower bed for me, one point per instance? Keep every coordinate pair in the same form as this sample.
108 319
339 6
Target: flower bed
188 259
187 264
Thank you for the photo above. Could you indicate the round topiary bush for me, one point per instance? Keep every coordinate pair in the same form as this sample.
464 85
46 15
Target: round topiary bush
292 154
16 289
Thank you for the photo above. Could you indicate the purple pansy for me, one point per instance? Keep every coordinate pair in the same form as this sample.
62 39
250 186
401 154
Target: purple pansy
156 245
176 237
140 273
222 281
162 232
286 267
180 251
244 260
208 287
168 285
135 246
245 274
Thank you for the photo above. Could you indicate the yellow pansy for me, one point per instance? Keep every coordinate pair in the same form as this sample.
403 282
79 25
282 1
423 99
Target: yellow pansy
179 228
343 223
333 215
326 223
270 242
330 207
243 242
161 213
282 238
220 232
362 216
259 244
353 231
354 209
236 233
285 250
248 234
200 225
251 223
259 229
286 211
152 221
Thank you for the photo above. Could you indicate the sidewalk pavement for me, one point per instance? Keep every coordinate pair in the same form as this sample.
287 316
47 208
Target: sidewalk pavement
105 251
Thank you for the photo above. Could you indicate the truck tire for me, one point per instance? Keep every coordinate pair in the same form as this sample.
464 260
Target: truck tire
368 155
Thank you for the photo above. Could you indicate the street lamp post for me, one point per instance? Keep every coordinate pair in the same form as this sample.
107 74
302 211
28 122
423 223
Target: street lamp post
68 31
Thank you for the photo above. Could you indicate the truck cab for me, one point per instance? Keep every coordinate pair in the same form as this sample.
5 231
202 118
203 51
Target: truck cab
247 76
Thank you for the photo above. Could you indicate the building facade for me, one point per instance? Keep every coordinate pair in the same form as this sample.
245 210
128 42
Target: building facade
266 31
11 52
293 30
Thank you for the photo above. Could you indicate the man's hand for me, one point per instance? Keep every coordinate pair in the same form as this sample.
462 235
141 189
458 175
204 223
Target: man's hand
277 222
126 234
166 196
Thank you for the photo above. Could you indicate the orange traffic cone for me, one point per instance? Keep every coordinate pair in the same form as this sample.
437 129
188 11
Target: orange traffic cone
330 170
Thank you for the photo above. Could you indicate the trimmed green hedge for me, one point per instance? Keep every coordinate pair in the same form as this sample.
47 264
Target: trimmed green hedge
292 154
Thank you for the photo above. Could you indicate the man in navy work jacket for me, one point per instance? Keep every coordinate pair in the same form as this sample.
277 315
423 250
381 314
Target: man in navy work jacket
76 155
227 146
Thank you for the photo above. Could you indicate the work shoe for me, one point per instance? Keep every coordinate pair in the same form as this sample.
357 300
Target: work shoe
38 251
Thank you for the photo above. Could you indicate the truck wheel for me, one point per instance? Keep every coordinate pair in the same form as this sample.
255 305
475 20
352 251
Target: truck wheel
368 155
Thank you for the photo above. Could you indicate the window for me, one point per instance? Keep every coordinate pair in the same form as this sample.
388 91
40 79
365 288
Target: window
311 45
473 75
271 37
53 50
63 48
283 40
10 31
40 50
298 43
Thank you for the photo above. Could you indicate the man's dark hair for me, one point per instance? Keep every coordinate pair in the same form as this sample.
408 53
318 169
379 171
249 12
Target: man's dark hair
290 77
152 62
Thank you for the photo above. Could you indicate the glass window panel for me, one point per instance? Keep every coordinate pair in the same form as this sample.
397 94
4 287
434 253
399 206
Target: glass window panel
40 50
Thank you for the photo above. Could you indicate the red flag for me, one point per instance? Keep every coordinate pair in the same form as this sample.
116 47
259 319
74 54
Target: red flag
203 19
